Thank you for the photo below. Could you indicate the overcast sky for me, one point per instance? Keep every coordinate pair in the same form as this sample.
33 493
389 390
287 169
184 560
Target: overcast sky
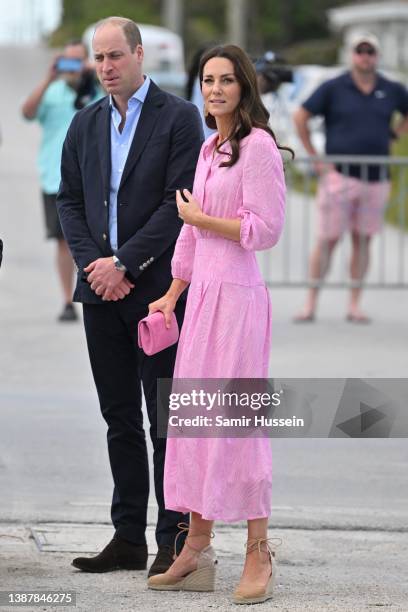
23 21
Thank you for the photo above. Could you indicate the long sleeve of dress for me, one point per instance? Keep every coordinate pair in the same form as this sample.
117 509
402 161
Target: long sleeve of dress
263 188
183 258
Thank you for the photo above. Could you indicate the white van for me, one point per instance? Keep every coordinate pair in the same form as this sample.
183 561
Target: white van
164 56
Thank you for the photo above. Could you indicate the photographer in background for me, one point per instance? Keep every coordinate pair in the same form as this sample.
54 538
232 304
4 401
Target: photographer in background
272 71
68 86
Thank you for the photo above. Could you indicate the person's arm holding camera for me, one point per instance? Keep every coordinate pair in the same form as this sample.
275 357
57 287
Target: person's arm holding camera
30 106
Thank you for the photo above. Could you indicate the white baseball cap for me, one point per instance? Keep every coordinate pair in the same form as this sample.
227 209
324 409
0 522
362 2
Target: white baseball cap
364 37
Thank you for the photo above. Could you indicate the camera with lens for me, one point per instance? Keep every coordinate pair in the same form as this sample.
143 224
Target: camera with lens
87 89
272 71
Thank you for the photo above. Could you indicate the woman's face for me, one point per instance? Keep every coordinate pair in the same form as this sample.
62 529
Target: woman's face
220 88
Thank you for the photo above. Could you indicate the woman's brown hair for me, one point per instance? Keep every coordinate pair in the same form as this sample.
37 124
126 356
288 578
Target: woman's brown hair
250 111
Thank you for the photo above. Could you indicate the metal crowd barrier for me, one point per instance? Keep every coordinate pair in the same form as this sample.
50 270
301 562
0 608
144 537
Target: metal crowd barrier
287 264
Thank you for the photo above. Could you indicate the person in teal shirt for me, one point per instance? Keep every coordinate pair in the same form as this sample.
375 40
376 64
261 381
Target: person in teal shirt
68 86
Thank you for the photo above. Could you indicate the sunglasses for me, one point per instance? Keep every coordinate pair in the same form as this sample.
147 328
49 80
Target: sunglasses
365 50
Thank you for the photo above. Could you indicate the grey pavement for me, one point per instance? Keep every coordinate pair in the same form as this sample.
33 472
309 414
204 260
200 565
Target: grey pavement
318 571
340 506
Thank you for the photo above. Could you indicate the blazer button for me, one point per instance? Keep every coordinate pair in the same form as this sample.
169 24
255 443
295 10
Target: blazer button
105 202
104 236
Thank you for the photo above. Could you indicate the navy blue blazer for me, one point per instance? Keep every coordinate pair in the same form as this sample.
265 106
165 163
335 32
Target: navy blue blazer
162 158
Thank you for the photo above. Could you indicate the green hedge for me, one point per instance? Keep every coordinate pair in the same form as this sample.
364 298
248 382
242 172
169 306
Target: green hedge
400 149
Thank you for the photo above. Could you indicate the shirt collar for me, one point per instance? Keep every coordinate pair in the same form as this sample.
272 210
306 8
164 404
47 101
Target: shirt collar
139 95
350 82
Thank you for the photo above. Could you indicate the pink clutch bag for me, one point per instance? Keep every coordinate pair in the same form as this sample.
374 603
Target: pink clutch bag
153 335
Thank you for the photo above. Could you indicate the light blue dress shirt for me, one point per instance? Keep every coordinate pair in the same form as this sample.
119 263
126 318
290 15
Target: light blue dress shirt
120 145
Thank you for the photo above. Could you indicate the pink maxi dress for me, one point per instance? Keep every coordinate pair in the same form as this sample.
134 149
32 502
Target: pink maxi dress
227 326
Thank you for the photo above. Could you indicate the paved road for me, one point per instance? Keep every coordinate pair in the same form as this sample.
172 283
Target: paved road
319 571
53 461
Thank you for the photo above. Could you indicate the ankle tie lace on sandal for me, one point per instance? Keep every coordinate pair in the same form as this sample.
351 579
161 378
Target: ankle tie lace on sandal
255 544
184 527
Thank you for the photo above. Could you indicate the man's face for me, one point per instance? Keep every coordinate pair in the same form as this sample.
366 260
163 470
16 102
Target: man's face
74 52
365 58
119 70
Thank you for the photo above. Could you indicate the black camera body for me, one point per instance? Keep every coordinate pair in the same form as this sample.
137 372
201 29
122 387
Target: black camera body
274 70
86 90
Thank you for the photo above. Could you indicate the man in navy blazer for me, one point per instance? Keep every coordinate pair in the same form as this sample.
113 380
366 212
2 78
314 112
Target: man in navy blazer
123 159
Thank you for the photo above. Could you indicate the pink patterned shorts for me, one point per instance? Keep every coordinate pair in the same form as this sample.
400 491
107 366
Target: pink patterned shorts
348 203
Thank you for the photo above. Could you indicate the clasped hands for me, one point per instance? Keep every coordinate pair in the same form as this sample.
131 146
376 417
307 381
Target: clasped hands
110 283
107 281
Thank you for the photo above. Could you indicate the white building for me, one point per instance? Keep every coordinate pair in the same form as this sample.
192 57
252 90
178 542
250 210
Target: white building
28 21
388 20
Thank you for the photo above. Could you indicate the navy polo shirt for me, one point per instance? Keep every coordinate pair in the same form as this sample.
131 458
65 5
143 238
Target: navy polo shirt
357 123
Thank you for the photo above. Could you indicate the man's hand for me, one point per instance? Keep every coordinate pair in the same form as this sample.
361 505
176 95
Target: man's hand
106 280
321 168
52 73
120 291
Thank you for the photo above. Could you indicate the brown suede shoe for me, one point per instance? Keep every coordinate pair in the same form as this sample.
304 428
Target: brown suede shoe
117 555
162 562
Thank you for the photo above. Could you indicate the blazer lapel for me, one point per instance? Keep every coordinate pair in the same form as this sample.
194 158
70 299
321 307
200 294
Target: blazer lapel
103 119
147 120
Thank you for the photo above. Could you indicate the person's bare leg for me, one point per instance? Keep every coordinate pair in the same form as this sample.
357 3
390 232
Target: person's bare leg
360 257
257 567
65 267
318 267
198 537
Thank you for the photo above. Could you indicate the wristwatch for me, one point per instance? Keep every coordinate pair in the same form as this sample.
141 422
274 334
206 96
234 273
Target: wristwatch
118 264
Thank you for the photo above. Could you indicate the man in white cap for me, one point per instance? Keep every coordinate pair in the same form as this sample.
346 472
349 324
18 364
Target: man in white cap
357 107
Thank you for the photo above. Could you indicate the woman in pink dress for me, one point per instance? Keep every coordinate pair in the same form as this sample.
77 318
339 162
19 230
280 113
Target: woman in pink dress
237 208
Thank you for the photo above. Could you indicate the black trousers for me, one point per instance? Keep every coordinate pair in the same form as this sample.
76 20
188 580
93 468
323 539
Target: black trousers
120 370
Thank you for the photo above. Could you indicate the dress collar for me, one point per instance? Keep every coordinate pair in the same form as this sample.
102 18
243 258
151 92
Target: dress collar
211 143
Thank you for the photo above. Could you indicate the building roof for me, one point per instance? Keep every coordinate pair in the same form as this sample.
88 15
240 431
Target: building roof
360 14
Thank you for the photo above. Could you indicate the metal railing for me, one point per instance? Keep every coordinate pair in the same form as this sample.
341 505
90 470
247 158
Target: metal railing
287 264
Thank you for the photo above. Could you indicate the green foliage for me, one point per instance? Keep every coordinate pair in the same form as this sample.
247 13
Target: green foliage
79 14
205 24
323 52
281 25
397 212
